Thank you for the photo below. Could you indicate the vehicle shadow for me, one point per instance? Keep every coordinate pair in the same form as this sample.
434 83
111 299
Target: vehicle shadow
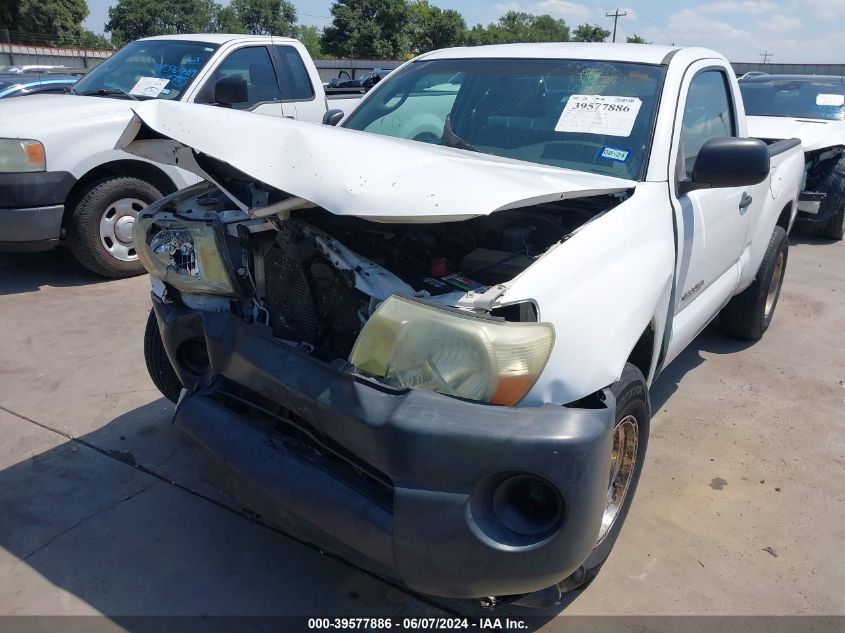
30 272
804 236
710 340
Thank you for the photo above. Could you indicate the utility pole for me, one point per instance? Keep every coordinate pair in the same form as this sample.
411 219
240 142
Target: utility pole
615 15
765 55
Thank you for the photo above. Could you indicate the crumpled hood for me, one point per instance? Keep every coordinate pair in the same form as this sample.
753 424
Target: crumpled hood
26 117
349 172
814 133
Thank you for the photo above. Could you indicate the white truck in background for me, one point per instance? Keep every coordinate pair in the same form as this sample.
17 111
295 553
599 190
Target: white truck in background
61 176
811 108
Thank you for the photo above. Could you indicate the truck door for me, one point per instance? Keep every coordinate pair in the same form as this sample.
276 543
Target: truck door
712 223
255 65
298 95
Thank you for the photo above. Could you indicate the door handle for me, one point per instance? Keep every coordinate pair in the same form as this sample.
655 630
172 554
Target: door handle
745 201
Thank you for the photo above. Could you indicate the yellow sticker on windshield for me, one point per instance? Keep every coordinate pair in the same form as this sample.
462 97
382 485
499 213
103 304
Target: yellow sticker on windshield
599 114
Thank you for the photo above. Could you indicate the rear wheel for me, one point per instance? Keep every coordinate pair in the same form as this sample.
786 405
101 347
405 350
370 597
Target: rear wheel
158 364
749 314
630 439
99 229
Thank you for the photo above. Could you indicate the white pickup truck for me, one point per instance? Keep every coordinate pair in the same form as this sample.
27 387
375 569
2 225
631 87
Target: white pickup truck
425 340
60 174
811 108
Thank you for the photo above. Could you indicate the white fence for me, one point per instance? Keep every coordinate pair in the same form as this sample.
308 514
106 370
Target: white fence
23 54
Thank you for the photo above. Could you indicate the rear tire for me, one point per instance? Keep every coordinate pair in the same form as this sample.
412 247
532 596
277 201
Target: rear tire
749 314
99 230
835 228
633 418
834 186
158 365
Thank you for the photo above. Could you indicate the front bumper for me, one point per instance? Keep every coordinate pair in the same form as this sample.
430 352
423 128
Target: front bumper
31 209
399 482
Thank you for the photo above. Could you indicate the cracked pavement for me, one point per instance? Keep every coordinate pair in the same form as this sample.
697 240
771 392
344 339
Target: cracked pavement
101 510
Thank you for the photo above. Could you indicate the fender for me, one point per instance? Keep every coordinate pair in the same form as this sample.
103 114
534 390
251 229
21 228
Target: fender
601 289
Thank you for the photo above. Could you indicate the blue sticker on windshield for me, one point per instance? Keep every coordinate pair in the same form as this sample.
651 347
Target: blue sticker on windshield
613 153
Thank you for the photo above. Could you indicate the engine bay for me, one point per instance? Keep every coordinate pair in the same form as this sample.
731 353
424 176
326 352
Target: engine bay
315 277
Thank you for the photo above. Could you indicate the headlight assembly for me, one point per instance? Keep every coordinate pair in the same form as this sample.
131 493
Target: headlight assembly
21 155
187 255
410 344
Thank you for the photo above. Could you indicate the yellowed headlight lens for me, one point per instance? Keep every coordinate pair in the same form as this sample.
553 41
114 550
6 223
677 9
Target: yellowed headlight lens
410 344
21 155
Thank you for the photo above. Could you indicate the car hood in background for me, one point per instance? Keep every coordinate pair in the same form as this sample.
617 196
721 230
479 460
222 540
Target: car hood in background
348 172
25 118
814 133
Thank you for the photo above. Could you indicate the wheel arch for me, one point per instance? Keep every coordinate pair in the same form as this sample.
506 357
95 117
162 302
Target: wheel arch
645 350
787 217
119 168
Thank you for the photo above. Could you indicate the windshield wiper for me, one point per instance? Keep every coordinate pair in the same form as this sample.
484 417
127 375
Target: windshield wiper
107 92
450 139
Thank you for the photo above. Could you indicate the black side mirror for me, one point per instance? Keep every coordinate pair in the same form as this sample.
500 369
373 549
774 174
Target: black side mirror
230 90
728 162
332 117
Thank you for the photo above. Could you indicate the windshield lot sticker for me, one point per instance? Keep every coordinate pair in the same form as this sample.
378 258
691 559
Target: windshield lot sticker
149 86
614 154
599 114
830 100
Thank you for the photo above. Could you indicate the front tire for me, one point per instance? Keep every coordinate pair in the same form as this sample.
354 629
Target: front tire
99 230
158 364
630 440
749 314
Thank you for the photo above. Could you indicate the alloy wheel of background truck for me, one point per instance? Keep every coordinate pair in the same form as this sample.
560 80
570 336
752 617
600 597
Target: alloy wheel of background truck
630 439
749 313
99 231
158 365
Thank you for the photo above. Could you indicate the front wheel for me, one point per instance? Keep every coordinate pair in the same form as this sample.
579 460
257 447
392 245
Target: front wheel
749 314
99 230
630 439
158 364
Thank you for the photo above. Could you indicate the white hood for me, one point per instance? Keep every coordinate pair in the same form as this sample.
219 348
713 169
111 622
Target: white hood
29 117
814 133
349 172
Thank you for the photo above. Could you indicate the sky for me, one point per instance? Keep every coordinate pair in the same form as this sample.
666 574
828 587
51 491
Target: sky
791 31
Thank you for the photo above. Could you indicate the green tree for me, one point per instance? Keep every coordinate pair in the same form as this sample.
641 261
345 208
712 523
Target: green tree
44 21
310 38
266 17
635 39
430 28
132 19
590 33
547 29
95 41
516 26
227 21
367 28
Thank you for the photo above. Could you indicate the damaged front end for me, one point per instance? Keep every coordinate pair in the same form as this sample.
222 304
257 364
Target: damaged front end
356 380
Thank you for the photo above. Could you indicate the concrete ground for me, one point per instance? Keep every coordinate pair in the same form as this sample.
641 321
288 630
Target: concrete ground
739 511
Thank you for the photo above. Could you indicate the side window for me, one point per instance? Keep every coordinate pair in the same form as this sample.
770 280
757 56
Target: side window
254 65
708 113
295 79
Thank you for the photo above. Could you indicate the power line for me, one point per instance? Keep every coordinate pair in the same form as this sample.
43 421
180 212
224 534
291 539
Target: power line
615 15
766 55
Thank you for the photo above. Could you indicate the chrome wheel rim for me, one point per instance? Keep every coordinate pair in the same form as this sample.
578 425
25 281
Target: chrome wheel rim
116 228
623 461
774 285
